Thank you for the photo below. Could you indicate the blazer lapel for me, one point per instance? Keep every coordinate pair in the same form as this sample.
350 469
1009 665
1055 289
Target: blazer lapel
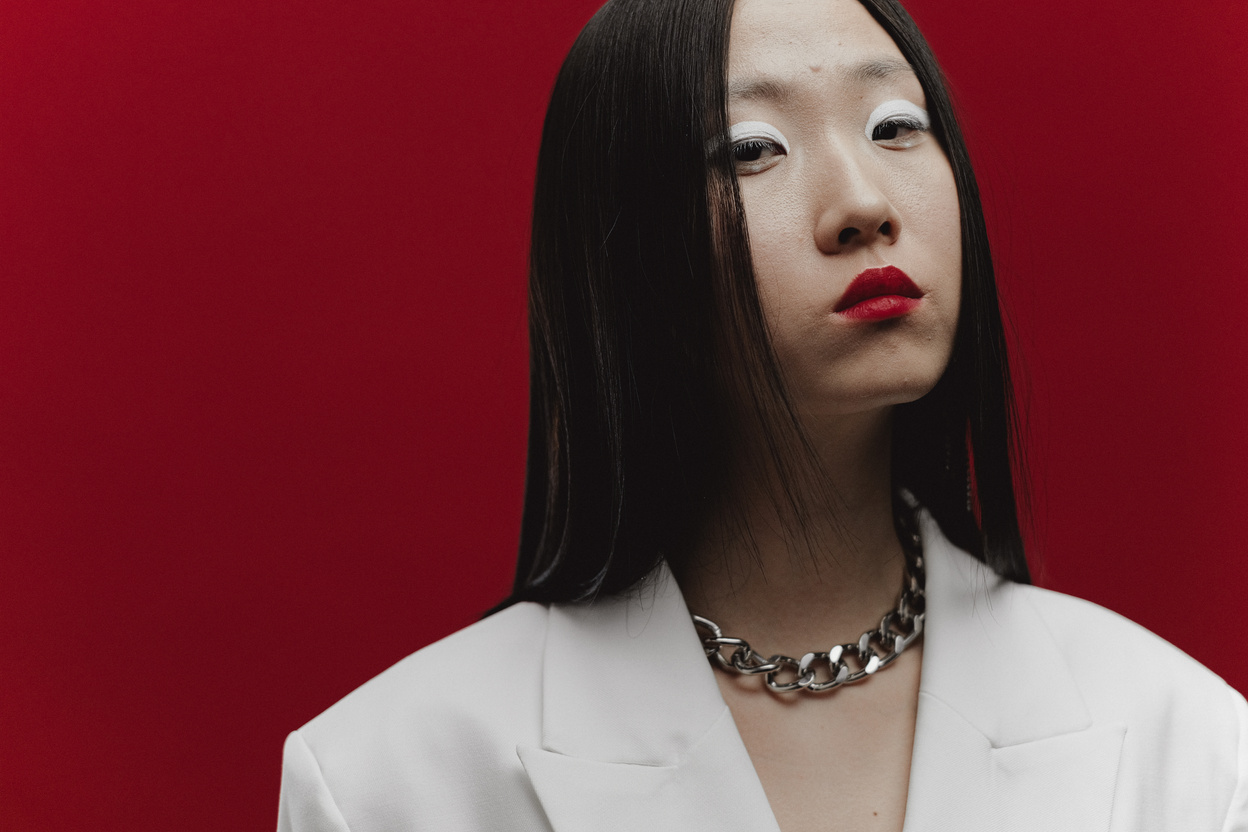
1003 739
635 734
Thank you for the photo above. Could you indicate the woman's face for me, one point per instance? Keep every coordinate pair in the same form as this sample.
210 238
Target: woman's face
850 202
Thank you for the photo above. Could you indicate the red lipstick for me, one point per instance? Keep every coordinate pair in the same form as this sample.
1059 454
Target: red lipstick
879 294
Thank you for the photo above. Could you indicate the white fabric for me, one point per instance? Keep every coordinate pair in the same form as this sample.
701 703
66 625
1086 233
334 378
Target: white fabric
1037 711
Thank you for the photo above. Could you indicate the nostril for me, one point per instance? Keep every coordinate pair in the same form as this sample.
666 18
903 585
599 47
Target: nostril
886 230
846 235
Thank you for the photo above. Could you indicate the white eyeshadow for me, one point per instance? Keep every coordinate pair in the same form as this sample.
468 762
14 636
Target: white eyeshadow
892 109
757 130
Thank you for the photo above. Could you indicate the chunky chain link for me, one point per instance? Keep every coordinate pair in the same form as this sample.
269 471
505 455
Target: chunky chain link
843 664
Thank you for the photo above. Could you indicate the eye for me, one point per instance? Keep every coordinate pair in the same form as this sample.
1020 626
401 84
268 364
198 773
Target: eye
754 152
898 124
756 146
895 130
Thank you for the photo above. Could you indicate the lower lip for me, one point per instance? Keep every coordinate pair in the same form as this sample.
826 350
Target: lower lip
881 308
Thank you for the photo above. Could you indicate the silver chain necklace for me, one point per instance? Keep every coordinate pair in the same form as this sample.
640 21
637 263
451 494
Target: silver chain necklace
844 664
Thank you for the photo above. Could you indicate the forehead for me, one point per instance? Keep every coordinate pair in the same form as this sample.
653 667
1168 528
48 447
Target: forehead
788 40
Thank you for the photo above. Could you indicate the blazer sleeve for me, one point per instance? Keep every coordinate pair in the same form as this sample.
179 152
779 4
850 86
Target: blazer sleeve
306 804
1237 812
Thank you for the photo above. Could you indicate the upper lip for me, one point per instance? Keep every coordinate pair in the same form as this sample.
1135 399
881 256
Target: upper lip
878 282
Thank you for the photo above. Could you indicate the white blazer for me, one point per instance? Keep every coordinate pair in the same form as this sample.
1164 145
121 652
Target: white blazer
1037 711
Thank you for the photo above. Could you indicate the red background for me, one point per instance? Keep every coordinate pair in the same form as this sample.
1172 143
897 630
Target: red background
262 352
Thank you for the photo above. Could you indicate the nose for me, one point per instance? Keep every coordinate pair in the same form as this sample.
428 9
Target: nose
853 210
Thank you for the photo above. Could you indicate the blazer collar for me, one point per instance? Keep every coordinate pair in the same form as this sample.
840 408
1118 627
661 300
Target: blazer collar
636 735
988 655
1003 739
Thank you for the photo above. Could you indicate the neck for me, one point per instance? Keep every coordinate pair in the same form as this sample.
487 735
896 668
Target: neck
790 586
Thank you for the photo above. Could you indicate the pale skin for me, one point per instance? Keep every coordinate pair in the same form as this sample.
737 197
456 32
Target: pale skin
824 201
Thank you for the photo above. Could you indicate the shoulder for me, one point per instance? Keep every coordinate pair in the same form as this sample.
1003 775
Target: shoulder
479 673
1186 730
1120 666
1027 666
445 716
1120 670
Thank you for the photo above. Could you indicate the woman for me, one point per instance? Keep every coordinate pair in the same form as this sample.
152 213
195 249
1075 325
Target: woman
771 424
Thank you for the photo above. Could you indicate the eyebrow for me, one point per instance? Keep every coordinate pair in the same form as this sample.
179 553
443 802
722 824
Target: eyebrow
879 70
871 71
756 90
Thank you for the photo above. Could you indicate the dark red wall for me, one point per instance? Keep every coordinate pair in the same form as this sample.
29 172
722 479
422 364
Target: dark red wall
262 352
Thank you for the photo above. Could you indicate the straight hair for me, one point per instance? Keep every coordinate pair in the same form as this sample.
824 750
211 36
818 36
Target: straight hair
644 315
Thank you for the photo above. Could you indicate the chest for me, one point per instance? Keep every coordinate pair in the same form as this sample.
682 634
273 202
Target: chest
833 761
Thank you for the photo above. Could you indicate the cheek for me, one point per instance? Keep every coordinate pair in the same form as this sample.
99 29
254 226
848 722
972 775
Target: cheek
774 221
926 198
779 245
932 205
946 227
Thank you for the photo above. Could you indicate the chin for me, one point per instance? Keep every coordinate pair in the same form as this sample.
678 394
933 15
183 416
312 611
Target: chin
872 392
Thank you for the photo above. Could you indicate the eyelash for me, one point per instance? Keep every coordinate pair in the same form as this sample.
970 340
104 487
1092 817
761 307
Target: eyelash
746 146
757 147
898 114
899 123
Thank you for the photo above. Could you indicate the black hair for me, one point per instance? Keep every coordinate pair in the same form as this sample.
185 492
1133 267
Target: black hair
642 293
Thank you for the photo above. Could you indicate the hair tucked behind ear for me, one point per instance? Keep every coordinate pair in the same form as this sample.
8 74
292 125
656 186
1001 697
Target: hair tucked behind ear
644 315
